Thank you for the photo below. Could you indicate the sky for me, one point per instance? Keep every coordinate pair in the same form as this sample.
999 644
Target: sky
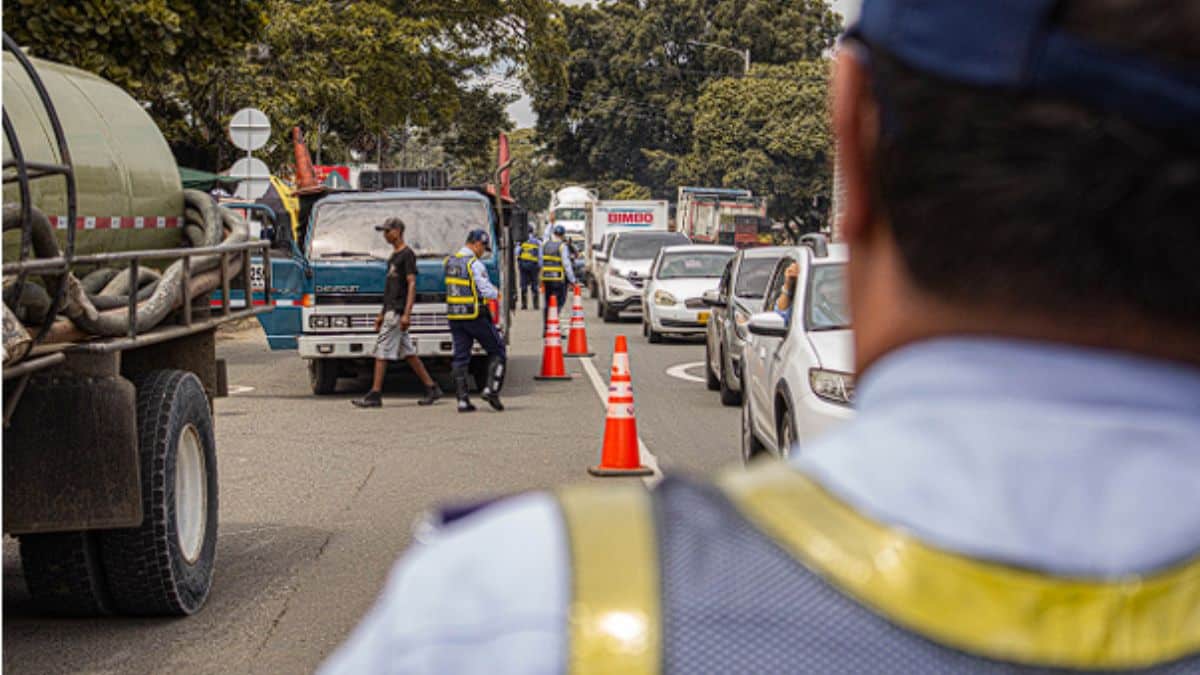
523 115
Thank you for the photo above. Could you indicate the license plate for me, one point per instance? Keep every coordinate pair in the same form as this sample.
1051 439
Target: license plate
257 277
702 317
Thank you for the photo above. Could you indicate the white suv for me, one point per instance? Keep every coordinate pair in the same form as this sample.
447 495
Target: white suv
798 365
626 266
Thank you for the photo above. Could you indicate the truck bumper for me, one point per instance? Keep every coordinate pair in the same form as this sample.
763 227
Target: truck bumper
362 346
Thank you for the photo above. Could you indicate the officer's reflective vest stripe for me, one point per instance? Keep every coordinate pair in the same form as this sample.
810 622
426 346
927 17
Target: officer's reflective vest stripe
979 608
462 297
529 251
615 626
552 262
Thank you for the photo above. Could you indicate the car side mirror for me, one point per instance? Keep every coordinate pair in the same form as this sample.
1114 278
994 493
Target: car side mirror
601 257
768 324
713 299
597 247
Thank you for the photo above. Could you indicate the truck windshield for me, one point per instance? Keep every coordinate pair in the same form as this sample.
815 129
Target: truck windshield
570 214
435 228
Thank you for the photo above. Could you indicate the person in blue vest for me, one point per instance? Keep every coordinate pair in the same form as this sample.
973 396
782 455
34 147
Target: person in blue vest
467 290
1017 492
529 264
558 273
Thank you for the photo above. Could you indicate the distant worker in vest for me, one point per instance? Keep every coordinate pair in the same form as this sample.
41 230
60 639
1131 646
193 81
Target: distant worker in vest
558 271
529 264
467 290
1017 490
394 343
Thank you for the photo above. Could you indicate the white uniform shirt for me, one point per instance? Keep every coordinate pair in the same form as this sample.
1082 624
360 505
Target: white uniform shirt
483 284
1072 461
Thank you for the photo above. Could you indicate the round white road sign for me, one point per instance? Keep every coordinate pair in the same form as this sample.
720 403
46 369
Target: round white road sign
255 177
249 129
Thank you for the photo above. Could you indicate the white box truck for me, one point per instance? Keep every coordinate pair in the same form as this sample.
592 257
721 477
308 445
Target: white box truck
611 216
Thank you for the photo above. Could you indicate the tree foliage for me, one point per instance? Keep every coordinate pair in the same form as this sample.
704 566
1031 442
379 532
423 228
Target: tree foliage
769 133
357 75
635 74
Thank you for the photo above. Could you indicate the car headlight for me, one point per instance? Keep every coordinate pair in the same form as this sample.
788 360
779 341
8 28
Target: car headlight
833 386
341 322
318 321
664 299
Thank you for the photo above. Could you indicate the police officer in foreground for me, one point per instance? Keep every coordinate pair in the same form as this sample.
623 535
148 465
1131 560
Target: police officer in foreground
467 289
558 269
529 264
1018 491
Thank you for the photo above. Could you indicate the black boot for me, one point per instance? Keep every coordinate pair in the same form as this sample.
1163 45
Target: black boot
525 298
491 393
432 393
461 387
373 399
536 296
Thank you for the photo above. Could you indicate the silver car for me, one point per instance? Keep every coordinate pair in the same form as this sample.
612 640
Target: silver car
739 295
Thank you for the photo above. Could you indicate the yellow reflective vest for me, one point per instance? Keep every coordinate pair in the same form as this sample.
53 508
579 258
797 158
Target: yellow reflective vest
462 297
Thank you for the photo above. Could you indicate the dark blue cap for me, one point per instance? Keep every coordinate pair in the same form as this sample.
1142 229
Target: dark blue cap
1015 44
560 230
479 236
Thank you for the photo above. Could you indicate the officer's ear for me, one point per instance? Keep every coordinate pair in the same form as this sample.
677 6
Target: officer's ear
856 123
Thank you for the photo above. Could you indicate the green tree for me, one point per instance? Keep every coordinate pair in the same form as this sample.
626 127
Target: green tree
768 133
635 73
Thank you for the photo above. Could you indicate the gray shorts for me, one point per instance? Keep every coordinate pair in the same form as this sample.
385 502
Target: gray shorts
393 344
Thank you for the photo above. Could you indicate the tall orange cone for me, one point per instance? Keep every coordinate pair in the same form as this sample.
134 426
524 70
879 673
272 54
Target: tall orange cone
620 456
553 367
577 343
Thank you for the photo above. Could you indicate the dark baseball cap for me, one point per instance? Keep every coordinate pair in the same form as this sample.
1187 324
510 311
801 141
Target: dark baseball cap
391 224
1016 45
480 236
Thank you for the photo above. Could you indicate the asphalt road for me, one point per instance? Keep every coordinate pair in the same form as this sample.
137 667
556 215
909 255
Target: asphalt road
318 498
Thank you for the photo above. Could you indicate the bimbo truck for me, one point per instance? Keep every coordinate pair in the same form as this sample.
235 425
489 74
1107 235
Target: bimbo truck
328 285
611 216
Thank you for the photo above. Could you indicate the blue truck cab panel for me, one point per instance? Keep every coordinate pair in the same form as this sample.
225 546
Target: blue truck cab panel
330 291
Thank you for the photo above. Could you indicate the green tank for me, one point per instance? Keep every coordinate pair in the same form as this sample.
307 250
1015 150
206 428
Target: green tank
129 193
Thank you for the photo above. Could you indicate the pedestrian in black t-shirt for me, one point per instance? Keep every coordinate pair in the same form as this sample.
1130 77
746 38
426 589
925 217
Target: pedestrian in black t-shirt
394 342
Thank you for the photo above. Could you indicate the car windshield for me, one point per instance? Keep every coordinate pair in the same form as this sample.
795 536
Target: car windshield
645 247
570 214
435 228
753 276
693 265
828 308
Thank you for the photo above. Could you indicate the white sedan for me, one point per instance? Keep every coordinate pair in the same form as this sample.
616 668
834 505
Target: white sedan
674 294
798 365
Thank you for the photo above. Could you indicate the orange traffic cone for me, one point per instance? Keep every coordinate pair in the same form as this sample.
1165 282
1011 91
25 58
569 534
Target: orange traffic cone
577 344
619 456
553 367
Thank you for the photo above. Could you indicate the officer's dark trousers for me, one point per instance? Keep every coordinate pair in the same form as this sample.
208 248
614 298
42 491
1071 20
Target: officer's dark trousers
481 330
556 289
529 280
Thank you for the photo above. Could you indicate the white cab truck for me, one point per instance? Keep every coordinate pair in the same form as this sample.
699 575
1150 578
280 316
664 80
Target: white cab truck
607 217
569 207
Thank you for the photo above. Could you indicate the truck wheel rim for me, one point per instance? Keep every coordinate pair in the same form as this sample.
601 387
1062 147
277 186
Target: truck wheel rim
191 494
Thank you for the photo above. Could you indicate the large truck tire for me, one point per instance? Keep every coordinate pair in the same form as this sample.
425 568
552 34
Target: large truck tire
165 566
323 376
63 573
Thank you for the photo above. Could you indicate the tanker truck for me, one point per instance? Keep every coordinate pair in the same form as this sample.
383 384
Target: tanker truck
109 360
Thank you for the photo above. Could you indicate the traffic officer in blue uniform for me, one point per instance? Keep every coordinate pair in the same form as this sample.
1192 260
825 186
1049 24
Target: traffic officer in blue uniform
1017 492
467 290
529 264
558 270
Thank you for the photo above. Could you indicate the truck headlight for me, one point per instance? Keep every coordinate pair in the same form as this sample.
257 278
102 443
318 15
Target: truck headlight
831 385
664 299
318 322
341 322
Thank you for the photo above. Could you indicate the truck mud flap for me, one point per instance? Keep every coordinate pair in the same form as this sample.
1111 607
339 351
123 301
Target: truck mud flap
71 456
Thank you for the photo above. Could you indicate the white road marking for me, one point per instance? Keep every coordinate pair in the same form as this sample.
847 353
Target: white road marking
679 372
601 388
235 389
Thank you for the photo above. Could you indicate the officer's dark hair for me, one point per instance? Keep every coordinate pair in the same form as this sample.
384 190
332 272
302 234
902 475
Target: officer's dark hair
395 224
1040 205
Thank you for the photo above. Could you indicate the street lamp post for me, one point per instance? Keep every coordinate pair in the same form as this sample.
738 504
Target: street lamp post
744 53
